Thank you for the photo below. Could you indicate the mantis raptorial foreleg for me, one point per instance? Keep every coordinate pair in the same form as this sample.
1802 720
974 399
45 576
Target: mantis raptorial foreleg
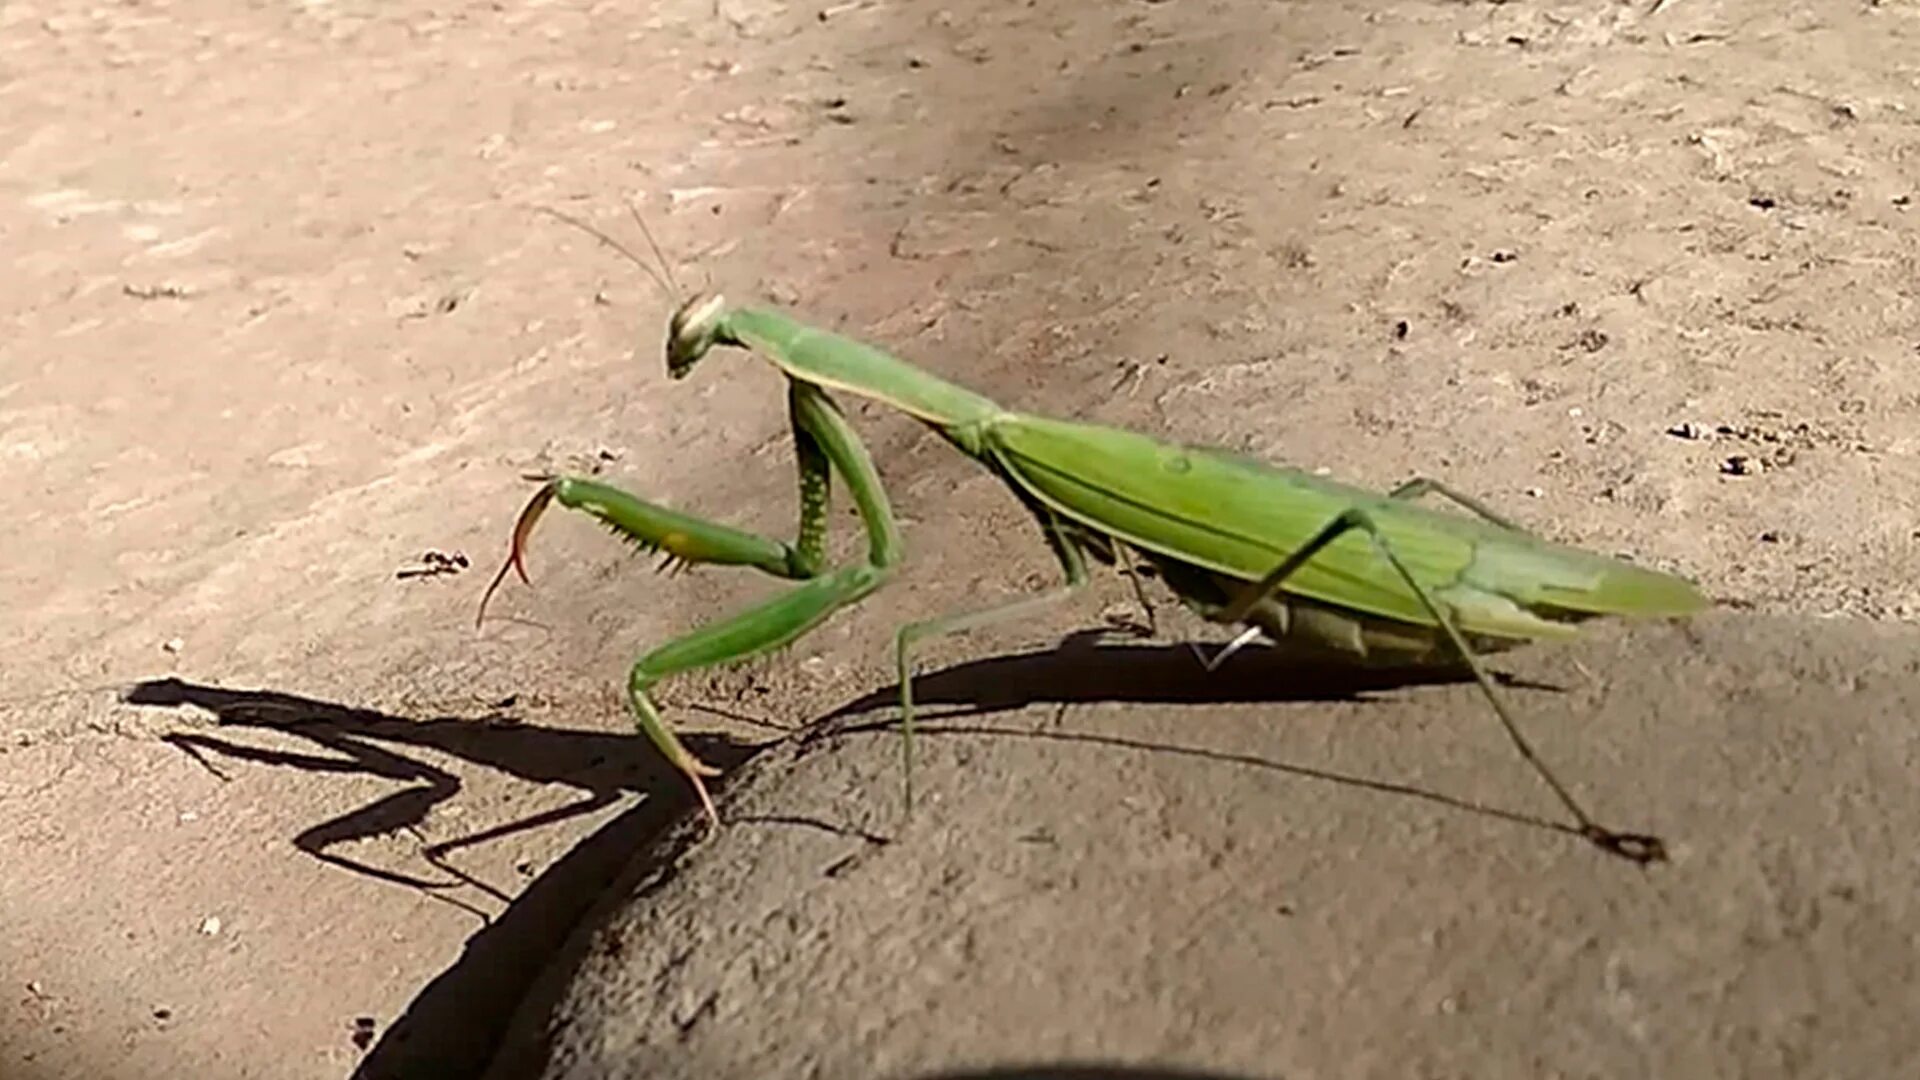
824 443
1638 847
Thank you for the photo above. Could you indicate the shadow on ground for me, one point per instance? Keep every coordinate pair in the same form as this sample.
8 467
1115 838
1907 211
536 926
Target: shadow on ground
442 1032
451 1029
604 765
1083 672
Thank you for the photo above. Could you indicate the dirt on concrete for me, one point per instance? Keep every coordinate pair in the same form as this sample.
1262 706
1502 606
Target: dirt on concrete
280 332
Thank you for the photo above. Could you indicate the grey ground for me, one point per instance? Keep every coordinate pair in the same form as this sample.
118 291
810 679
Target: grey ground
1218 886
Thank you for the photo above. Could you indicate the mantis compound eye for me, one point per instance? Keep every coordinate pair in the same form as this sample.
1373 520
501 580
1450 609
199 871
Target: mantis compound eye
691 332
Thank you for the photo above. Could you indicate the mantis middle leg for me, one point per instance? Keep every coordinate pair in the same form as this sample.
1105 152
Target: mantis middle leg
1072 562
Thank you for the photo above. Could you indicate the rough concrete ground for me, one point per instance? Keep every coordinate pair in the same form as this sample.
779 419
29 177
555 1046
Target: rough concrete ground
1225 887
276 321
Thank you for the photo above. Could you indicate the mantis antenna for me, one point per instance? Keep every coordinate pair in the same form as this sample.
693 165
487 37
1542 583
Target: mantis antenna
663 276
665 265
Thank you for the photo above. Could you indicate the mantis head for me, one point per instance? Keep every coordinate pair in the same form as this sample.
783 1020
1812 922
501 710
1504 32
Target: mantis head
694 328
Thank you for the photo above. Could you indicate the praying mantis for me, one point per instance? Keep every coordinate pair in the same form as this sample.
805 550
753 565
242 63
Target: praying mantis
1290 557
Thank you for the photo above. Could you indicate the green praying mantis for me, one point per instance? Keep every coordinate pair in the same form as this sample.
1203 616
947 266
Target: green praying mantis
1288 557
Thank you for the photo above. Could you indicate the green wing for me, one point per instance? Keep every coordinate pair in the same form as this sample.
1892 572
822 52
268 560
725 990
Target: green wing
1240 517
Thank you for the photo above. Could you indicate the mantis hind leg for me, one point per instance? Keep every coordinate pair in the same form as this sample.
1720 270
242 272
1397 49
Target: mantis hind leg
1072 562
1638 847
824 442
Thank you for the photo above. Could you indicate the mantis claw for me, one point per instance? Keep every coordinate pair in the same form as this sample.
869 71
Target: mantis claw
706 800
1246 637
517 549
1642 848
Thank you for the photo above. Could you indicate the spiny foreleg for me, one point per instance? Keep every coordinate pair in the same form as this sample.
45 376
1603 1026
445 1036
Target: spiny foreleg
824 443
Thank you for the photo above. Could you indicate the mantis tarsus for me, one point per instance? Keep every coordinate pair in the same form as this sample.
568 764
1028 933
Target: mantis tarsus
1289 556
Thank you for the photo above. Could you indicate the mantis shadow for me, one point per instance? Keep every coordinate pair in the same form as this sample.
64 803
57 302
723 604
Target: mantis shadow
477 993
1082 671
605 766
454 1025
